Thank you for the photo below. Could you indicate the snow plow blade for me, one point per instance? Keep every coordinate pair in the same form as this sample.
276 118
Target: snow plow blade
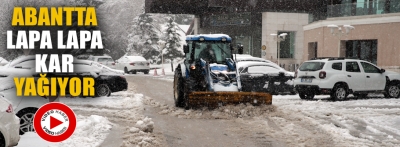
215 99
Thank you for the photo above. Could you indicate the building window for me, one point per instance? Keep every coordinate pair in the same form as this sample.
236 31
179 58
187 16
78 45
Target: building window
286 47
362 49
312 50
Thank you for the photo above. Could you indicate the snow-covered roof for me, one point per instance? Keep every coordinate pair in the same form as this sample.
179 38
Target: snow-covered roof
184 28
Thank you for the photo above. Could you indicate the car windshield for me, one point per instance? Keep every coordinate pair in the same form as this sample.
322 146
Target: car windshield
214 52
105 60
311 66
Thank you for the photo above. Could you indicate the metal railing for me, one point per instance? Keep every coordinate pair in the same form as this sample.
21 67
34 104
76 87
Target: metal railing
364 8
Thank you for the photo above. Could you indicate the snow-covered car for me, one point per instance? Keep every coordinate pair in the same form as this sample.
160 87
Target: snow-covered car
104 60
243 60
26 62
9 124
133 64
340 77
24 106
266 77
246 57
107 80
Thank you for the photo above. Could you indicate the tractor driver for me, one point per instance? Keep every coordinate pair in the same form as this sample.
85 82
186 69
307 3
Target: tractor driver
208 54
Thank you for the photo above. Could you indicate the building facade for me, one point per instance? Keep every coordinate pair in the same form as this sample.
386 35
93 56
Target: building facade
375 36
251 23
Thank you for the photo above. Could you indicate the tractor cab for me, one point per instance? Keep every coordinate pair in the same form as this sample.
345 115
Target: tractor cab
214 48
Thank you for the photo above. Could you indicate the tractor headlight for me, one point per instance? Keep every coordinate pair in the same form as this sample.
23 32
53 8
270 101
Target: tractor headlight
192 67
201 39
223 39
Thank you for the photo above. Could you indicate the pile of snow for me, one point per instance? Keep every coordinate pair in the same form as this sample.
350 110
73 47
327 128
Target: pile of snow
372 121
224 112
125 108
141 134
145 125
117 100
90 131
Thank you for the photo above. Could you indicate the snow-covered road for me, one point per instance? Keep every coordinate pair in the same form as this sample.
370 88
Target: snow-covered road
290 121
145 116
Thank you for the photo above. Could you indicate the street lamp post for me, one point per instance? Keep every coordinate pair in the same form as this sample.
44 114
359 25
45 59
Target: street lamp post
278 39
338 31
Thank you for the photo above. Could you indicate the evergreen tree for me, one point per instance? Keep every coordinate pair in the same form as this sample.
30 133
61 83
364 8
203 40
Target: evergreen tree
143 40
173 41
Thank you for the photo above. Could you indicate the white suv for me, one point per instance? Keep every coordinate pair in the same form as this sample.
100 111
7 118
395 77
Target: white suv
339 77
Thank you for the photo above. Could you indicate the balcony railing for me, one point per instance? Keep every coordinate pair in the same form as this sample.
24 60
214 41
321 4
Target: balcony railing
364 8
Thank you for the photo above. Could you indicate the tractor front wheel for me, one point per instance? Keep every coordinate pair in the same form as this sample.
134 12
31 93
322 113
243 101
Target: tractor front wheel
178 90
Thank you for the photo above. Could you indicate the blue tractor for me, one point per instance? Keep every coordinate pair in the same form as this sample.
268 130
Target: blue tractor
208 76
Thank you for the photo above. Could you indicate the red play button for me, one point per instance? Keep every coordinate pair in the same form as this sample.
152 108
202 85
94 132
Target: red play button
54 122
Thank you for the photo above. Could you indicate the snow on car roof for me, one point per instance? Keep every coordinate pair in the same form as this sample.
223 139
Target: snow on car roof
20 59
7 76
136 58
102 57
15 71
252 59
254 63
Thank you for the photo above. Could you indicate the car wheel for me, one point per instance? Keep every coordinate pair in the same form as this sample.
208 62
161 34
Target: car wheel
134 72
2 140
306 96
146 72
178 90
26 120
102 90
393 90
339 92
126 70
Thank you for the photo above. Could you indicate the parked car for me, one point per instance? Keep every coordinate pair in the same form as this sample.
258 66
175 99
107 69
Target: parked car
285 79
133 64
9 124
25 107
266 77
104 60
107 80
26 62
340 77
